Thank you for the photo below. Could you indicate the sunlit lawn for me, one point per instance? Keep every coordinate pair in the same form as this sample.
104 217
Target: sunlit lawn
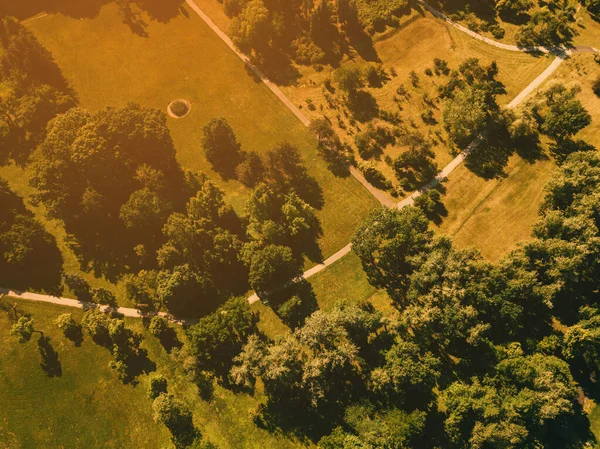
87 407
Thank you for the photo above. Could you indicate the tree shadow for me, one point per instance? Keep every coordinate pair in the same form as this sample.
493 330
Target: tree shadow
50 362
358 38
75 334
138 363
277 66
169 340
294 304
29 255
363 106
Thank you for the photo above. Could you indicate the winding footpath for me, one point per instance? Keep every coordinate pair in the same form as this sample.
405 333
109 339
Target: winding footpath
561 55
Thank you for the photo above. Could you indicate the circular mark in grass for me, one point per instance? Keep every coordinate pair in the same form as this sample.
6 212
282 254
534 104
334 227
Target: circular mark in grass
179 108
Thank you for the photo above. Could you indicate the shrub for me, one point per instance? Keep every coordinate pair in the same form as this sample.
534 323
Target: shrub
414 78
22 329
377 178
68 326
596 86
96 324
428 72
157 385
158 326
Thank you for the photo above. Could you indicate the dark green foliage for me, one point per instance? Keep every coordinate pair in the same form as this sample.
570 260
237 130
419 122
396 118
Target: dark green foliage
330 147
596 86
374 15
157 385
271 268
103 296
513 10
112 177
199 260
159 326
251 170
177 417
430 203
372 141
34 90
78 285
415 166
221 147
218 337
387 243
281 219
376 178
526 399
69 327
565 115
349 78
549 27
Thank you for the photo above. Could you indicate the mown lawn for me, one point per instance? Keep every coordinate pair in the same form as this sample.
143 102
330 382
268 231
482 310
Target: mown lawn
88 407
495 215
180 57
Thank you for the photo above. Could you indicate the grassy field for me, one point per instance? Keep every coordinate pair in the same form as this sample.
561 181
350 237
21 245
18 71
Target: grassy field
494 215
182 58
85 407
88 407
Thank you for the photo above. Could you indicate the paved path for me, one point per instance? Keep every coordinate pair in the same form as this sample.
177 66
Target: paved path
383 199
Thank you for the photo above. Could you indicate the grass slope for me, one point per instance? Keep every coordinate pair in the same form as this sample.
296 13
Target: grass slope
87 407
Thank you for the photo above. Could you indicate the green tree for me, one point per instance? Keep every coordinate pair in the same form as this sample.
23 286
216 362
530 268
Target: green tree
254 29
144 209
387 243
22 329
466 115
217 338
221 146
177 417
349 78
566 115
272 267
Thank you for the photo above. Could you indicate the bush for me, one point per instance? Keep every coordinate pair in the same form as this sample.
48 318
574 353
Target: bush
428 72
377 178
96 324
157 385
22 329
68 326
414 78
159 326
596 86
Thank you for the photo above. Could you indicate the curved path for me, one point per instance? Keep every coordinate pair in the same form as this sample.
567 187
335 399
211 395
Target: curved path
561 55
